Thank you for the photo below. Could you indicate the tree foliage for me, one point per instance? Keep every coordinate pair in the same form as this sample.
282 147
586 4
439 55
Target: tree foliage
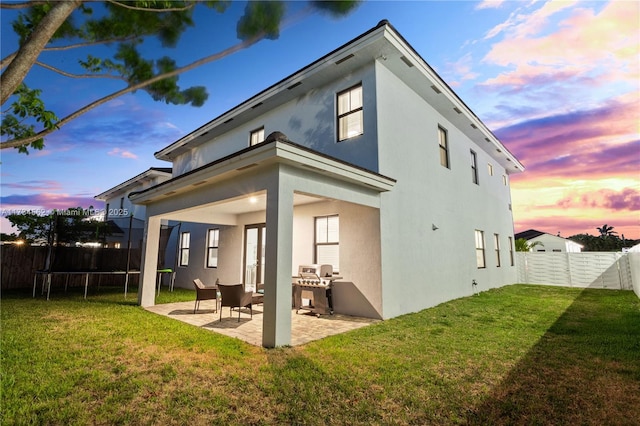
51 26
63 227
523 245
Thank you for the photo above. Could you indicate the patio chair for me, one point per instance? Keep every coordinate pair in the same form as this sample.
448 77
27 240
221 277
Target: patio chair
204 293
234 296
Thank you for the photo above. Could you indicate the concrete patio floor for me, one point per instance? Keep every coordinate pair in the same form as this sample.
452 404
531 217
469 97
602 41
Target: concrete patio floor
305 327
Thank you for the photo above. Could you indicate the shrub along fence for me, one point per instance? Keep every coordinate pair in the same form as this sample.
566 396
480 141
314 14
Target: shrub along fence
619 271
20 263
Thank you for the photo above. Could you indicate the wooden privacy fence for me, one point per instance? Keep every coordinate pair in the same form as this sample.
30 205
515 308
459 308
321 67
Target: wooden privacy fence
19 264
586 269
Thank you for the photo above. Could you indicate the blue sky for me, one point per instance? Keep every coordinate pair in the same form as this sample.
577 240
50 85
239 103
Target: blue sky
557 82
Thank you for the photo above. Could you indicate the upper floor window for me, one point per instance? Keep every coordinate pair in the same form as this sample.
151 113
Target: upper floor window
328 241
504 180
474 167
444 147
185 238
480 249
256 136
496 239
490 169
350 115
213 236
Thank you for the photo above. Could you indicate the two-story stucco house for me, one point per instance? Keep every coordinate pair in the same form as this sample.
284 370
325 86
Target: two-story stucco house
365 159
120 211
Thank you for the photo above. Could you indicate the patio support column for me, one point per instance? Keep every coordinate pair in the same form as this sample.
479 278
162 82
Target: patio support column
276 327
149 262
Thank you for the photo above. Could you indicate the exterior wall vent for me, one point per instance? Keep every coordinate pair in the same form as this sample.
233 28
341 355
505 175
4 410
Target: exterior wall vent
246 167
474 126
200 183
435 89
346 58
228 121
456 109
406 61
487 139
256 105
294 85
170 193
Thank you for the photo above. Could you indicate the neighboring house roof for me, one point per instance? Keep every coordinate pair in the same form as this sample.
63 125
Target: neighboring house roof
135 181
529 234
382 42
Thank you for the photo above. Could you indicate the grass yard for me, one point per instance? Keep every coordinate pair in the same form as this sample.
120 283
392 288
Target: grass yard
516 355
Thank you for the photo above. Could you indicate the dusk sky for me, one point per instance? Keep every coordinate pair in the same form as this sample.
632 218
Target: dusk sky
557 82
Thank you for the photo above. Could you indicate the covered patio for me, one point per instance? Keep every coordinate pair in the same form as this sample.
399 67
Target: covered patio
280 176
305 328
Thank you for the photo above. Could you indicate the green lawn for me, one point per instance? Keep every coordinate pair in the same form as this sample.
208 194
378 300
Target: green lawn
517 355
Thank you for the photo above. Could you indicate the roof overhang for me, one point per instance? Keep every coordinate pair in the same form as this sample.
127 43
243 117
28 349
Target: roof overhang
261 155
136 181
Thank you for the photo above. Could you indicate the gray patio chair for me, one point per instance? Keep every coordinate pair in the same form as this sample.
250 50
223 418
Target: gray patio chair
204 293
234 296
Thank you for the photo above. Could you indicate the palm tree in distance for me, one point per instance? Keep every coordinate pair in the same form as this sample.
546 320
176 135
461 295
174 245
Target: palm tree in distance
606 231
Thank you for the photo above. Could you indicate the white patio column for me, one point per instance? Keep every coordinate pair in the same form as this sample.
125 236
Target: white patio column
149 262
276 327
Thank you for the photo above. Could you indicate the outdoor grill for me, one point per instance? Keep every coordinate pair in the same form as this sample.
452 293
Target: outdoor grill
313 285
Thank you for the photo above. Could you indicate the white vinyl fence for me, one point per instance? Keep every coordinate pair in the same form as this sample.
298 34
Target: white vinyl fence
587 269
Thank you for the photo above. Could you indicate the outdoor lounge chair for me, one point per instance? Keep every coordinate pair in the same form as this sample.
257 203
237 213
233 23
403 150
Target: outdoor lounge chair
234 296
204 293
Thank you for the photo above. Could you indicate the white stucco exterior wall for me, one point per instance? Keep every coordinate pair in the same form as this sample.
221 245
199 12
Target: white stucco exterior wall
309 120
422 267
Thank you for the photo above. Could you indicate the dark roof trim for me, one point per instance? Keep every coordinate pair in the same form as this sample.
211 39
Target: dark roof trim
528 234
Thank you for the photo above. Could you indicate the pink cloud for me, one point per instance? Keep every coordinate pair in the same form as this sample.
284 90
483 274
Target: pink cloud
40 185
46 201
118 152
603 46
489 4
626 199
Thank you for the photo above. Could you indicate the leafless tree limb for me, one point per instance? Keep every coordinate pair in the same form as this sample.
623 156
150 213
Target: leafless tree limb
70 75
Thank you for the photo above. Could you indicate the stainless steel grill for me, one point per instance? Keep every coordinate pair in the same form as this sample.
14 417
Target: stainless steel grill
314 286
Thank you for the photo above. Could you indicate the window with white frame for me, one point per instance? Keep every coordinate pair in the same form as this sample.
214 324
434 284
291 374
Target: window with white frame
327 241
511 251
213 236
490 169
474 167
444 147
256 136
350 114
185 238
496 240
480 249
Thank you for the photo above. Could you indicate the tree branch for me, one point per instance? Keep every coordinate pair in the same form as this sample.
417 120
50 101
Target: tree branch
30 50
89 43
66 74
7 59
235 48
144 9
25 5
